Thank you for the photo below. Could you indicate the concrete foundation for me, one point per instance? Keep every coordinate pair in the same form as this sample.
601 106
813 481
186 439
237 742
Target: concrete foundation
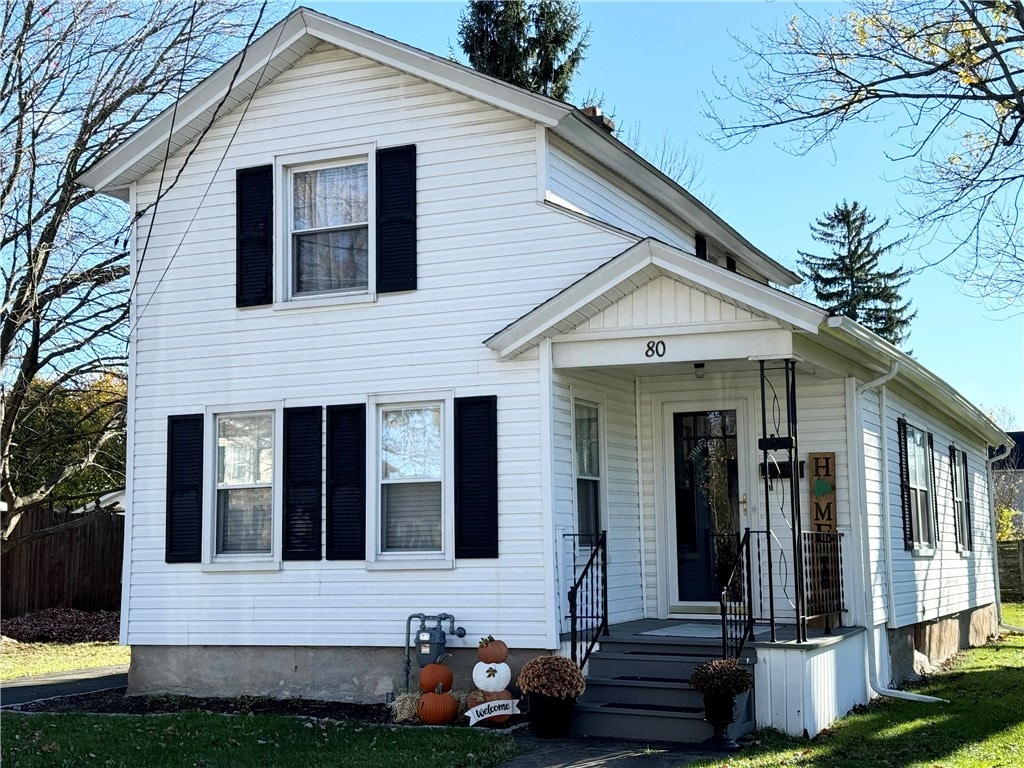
359 675
940 639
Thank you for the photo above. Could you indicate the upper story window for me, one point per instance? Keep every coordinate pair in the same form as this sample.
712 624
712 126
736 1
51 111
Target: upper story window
245 491
330 229
326 227
587 431
916 487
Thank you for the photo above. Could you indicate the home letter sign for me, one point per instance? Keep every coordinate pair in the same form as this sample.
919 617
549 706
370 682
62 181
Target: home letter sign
823 491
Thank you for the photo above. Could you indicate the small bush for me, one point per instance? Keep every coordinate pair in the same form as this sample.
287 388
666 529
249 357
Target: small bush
63 625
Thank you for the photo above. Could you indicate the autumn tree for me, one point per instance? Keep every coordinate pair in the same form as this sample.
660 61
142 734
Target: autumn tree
78 79
849 281
537 45
949 74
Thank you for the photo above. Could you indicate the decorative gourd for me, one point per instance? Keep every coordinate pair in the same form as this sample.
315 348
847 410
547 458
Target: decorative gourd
435 674
438 707
475 698
492 651
498 696
491 677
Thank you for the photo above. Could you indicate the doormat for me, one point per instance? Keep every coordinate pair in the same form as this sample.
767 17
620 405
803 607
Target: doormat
687 629
696 629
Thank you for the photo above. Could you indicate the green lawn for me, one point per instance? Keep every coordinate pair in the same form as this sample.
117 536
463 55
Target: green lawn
201 740
23 659
982 726
1013 614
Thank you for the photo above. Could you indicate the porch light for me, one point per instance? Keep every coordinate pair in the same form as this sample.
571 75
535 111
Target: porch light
698 370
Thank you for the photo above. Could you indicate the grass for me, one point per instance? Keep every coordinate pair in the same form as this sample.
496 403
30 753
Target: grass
203 740
982 726
1013 614
23 659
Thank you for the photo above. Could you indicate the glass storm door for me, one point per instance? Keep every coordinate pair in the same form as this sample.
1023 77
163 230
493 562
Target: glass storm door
707 501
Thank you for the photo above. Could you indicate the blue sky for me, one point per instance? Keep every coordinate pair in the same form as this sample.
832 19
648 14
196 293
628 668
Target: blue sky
652 60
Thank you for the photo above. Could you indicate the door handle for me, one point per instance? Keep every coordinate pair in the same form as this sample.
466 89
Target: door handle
743 503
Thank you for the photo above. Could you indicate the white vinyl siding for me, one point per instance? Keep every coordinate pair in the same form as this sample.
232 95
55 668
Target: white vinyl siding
488 252
927 588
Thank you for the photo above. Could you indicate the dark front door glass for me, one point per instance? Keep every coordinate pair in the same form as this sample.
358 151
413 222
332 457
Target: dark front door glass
706 480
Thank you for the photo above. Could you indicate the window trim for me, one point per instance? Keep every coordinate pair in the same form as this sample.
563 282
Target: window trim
595 400
211 559
376 558
285 166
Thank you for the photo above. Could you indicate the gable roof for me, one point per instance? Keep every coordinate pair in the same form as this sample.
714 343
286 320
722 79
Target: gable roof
636 266
296 35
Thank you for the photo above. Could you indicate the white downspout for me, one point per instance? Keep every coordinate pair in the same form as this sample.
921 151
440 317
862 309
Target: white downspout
995 547
874 683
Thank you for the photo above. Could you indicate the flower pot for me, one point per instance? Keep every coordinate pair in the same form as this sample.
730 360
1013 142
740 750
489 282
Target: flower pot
719 712
550 717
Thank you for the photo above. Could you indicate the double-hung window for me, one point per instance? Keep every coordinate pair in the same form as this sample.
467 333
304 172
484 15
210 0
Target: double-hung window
329 228
961 500
587 435
245 490
412 452
916 487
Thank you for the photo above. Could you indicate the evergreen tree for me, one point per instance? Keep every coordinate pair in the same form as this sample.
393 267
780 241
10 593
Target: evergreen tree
537 45
849 282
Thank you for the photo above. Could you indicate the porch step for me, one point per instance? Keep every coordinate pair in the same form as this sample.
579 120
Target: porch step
641 722
638 687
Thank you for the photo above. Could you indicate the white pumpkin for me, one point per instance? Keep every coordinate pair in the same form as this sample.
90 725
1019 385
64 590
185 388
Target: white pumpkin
492 677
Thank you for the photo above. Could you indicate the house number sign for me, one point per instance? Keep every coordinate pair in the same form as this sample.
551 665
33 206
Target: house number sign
655 349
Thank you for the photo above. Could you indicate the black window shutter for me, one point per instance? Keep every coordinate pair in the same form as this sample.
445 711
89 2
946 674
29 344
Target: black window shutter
184 534
953 485
968 518
476 476
701 246
908 525
254 222
303 431
346 482
933 477
396 219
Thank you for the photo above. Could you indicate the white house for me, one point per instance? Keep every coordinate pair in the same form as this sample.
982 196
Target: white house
406 338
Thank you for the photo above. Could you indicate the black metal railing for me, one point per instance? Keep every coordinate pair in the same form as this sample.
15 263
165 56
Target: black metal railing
588 596
823 576
737 603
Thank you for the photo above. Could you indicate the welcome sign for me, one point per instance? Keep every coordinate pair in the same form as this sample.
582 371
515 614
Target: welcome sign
493 709
823 492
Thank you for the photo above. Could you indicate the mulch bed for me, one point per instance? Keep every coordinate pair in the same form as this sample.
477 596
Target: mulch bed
115 701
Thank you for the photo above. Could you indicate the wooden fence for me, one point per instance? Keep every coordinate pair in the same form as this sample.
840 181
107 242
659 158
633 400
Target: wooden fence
1011 570
75 568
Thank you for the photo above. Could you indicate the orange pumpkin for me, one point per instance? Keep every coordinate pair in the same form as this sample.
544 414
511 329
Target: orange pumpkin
435 674
492 651
438 708
498 696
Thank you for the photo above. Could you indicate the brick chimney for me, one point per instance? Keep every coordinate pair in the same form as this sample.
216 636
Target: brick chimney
598 118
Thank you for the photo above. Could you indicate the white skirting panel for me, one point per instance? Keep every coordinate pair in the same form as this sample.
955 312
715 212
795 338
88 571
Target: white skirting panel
803 689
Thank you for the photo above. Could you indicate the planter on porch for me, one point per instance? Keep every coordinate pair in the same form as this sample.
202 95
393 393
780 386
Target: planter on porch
552 684
720 681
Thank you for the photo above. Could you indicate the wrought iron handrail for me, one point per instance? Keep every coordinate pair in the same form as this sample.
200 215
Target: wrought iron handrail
737 602
588 600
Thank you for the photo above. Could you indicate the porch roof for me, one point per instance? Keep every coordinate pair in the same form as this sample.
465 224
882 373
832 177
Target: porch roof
635 267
